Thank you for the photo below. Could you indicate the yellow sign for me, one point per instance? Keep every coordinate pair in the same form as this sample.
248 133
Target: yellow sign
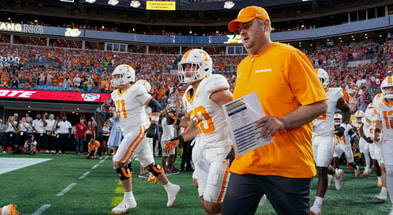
160 5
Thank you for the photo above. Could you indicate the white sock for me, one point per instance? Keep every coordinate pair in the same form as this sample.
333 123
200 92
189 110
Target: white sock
384 191
166 186
318 201
379 179
128 195
337 173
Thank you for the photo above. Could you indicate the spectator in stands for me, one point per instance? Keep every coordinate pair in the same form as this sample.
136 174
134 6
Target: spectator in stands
14 82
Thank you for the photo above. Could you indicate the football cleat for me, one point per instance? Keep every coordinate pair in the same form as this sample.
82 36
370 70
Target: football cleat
151 177
9 210
357 171
262 201
366 171
172 191
315 210
339 179
124 206
380 197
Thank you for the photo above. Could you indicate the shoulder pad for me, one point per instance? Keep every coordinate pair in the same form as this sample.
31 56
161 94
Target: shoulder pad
138 90
213 83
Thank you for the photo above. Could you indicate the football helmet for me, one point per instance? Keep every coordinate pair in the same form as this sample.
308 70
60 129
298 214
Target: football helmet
323 77
338 118
196 58
387 82
359 115
127 75
145 84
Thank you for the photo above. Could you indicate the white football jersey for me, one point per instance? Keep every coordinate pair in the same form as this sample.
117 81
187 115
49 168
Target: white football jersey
208 115
356 125
130 107
377 100
345 139
368 127
385 114
324 124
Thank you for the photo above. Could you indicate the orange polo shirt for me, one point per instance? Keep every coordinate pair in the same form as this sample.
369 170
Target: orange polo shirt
284 79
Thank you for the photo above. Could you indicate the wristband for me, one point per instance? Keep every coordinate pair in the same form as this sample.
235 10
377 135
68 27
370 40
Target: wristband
181 139
177 121
155 118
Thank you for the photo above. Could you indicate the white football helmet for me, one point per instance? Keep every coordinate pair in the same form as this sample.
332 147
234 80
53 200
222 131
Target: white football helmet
387 82
127 75
145 84
323 77
359 115
338 118
197 58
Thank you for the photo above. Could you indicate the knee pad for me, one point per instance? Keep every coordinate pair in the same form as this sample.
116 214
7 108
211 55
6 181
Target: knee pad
155 169
124 172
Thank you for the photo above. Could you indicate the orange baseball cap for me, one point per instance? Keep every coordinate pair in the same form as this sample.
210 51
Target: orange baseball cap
247 14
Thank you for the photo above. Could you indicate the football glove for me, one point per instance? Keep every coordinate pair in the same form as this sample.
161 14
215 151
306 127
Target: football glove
172 119
172 143
230 156
339 132
151 130
369 140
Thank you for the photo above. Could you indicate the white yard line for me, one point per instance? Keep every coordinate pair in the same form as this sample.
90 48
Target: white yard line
41 209
68 188
84 175
95 166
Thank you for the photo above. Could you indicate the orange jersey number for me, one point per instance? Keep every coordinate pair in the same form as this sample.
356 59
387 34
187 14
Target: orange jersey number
388 120
322 117
203 120
121 109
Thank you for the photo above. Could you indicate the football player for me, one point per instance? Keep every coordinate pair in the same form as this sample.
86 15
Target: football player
384 123
205 117
367 133
130 100
342 141
323 140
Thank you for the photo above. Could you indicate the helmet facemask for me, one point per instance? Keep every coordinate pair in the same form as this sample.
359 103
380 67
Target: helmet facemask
387 82
338 119
198 65
122 75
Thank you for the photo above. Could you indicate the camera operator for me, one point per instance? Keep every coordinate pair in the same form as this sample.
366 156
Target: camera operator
30 145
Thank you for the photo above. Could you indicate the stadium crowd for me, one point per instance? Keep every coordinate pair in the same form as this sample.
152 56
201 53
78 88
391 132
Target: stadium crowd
48 68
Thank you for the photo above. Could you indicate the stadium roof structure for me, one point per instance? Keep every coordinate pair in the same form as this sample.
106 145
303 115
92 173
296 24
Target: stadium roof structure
186 13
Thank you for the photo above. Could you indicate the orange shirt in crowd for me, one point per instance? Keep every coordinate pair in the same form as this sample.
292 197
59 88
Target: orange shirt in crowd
94 146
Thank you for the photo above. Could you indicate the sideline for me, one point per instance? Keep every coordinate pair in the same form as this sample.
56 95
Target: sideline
11 164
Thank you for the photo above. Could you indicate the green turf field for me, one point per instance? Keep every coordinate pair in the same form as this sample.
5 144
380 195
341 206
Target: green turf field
96 192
